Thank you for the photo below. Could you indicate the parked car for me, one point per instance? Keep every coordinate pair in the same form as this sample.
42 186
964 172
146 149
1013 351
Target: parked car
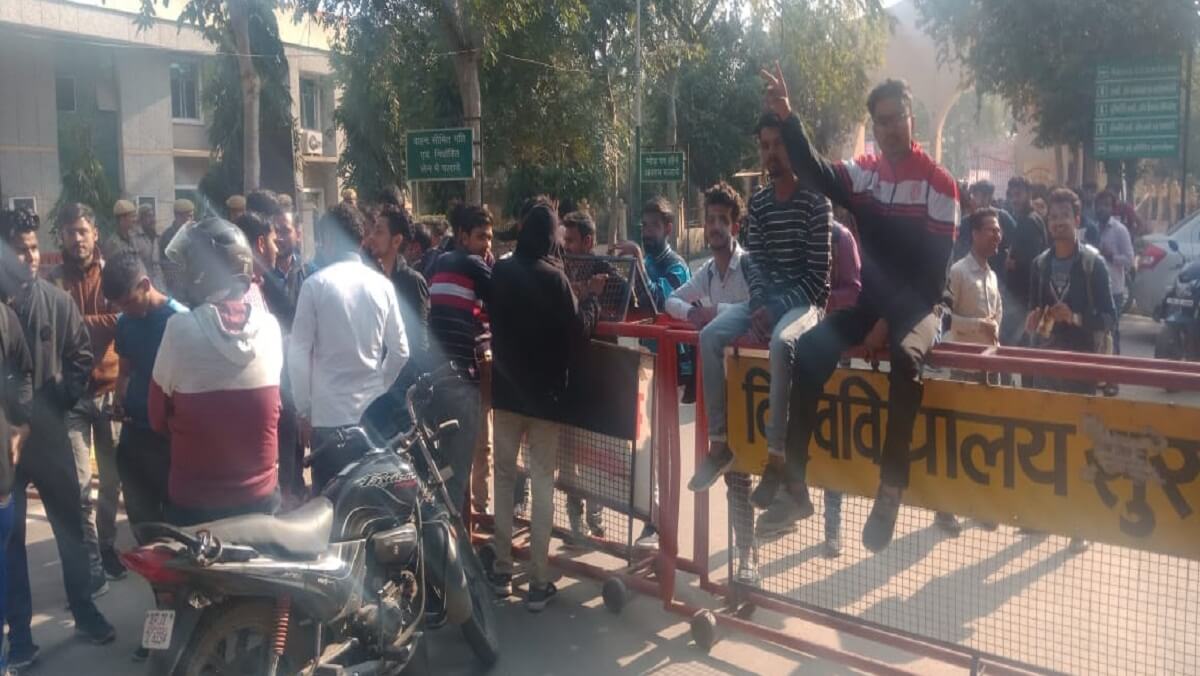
1159 264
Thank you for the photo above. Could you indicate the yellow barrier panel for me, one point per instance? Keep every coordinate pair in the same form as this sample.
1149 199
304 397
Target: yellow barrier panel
1121 472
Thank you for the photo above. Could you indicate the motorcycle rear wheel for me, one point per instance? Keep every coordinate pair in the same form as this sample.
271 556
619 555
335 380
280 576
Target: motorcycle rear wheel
480 628
236 639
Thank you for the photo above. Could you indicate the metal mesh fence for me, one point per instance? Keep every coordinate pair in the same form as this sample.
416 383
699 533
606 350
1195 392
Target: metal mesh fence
593 494
1028 597
614 301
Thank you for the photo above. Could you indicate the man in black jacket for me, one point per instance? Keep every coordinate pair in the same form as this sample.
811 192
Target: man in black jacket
62 364
537 324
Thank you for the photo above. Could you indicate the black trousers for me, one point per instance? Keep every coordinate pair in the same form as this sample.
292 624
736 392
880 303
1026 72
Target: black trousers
144 463
818 353
48 462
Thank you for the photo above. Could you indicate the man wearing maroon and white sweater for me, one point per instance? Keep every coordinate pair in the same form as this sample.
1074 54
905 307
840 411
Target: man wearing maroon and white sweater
215 387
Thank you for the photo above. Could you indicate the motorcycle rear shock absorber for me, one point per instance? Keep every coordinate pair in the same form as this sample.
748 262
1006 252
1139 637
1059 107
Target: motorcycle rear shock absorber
283 616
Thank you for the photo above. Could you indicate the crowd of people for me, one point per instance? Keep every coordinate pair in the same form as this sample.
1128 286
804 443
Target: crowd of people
132 348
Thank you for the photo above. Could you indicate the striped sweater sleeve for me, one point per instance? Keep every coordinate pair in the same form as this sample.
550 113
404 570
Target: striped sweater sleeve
752 267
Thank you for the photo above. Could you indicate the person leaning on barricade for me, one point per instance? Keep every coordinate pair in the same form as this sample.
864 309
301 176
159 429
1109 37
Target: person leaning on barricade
906 237
537 325
1070 299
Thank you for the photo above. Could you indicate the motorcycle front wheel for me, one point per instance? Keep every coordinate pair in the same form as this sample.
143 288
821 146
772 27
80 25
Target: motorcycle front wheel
480 628
234 639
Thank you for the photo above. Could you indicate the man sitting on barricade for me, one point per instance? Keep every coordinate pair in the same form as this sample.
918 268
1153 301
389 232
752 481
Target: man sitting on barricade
717 287
536 325
906 207
788 276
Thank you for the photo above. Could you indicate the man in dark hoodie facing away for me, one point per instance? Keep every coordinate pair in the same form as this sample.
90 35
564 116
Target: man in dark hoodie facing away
537 324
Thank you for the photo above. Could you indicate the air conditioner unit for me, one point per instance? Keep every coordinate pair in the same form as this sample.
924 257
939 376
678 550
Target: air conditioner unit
314 143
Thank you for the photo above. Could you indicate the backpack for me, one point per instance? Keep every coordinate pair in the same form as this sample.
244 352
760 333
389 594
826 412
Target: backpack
1088 255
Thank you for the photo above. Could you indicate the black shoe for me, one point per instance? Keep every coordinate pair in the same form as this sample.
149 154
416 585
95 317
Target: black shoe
781 517
881 524
717 462
689 392
948 524
595 522
832 548
764 493
113 568
96 631
23 657
538 597
648 539
141 655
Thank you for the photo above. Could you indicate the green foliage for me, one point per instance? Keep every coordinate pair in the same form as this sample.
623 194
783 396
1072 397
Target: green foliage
222 91
575 183
1041 57
974 120
83 178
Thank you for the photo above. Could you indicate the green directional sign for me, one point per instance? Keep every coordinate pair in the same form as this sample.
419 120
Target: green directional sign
1137 110
440 155
662 167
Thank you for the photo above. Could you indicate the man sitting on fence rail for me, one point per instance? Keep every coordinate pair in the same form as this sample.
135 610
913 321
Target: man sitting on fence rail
717 287
788 276
906 207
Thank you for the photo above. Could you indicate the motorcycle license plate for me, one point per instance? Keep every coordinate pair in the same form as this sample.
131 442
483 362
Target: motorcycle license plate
156 632
1181 302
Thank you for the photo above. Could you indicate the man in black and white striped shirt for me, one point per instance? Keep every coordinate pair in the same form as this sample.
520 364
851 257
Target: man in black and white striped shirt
788 228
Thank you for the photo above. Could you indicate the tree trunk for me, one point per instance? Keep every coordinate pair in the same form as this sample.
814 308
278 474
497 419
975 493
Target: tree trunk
466 72
239 23
1089 164
673 132
1060 171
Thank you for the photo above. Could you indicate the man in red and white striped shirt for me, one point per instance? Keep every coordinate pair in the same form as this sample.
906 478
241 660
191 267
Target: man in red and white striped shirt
906 207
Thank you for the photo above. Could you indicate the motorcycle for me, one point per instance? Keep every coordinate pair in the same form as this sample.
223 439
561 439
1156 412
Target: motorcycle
1180 313
345 584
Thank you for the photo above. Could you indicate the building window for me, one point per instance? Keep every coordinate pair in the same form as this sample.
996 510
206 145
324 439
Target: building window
64 93
310 104
185 91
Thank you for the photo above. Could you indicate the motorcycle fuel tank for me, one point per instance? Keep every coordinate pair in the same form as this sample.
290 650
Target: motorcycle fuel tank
380 491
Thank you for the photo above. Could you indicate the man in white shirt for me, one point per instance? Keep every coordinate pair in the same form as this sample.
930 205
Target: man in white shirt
972 292
719 284
347 344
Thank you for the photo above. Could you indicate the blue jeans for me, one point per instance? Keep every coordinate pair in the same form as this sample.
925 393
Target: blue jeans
720 333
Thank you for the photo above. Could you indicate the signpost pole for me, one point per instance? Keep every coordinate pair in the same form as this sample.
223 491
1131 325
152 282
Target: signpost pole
1187 117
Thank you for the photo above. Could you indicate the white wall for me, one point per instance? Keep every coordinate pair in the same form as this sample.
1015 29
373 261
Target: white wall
147 164
28 121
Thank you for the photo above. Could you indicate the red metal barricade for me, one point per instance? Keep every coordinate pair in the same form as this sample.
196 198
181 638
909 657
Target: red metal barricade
1050 629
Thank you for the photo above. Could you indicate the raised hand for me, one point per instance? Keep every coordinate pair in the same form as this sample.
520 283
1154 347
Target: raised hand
776 98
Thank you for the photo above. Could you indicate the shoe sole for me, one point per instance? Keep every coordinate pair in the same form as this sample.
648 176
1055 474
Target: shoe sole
537 606
105 640
774 534
114 578
697 486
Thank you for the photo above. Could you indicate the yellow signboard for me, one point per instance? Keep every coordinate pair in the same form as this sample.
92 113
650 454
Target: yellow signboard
1122 472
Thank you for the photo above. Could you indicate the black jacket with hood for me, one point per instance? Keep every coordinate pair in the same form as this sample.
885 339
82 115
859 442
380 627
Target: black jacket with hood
537 323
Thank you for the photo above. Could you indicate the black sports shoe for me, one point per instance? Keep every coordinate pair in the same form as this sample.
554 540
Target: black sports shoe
764 493
23 656
881 524
717 462
538 597
96 631
689 392
781 517
113 568
948 524
141 655
501 584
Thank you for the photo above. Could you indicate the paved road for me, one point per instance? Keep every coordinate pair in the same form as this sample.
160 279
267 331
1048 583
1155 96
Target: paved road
922 580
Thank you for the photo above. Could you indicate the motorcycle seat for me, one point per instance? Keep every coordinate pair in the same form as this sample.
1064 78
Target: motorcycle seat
302 533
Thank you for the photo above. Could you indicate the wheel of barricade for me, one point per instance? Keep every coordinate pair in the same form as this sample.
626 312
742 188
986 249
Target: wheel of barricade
704 629
616 594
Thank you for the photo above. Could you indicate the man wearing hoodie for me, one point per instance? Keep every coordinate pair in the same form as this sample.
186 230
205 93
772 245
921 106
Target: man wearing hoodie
215 386
537 323
347 346
62 364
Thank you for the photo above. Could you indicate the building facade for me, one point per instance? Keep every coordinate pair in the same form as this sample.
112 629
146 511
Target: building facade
74 69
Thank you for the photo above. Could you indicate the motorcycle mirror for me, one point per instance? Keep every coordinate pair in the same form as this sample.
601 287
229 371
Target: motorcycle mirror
1173 245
